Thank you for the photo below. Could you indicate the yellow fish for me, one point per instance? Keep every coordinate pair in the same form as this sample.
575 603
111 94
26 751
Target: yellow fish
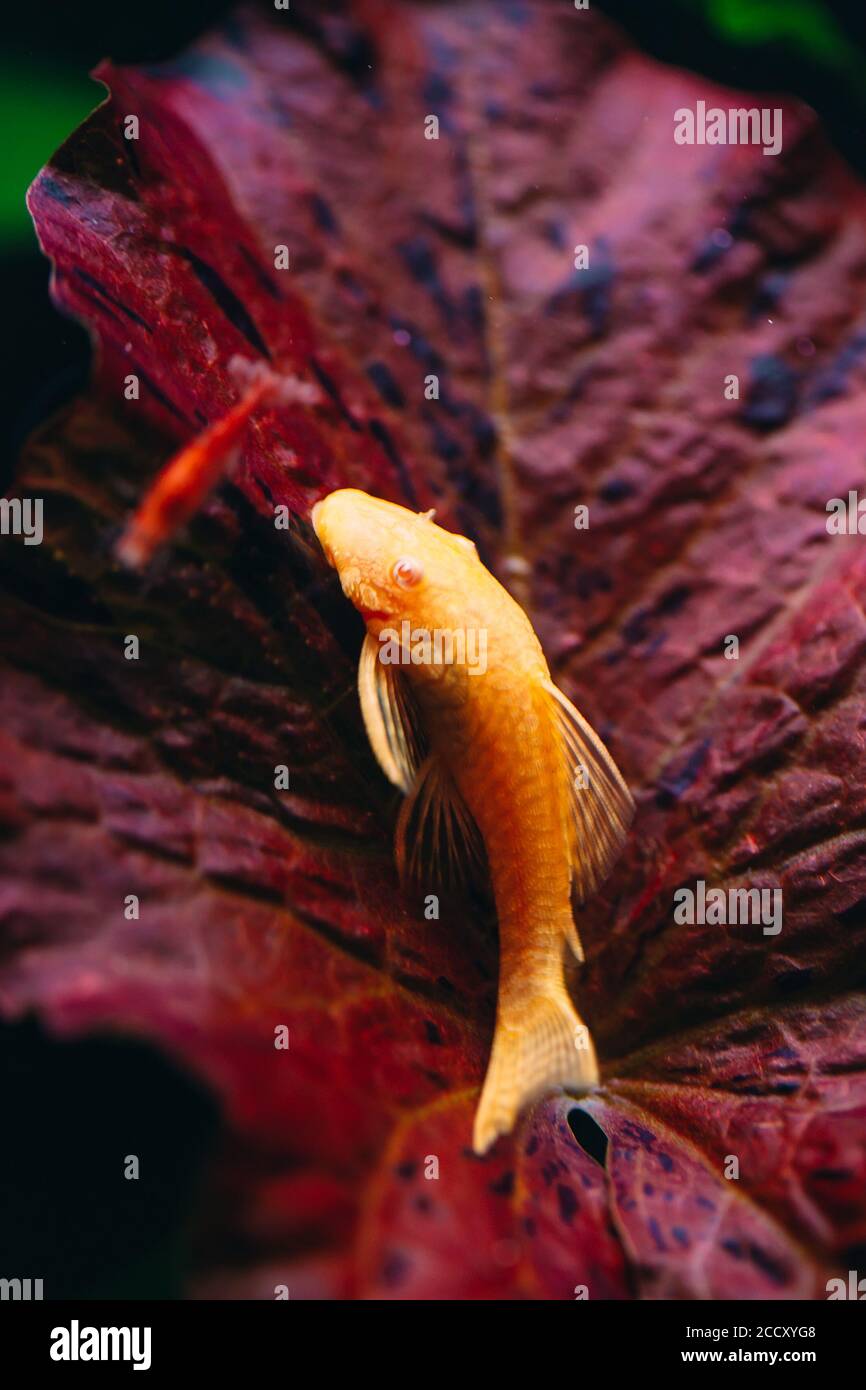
464 718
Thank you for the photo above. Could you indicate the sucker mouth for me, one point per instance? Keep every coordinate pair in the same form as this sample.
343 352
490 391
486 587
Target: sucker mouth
327 554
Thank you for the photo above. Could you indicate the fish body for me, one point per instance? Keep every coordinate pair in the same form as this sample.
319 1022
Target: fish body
463 716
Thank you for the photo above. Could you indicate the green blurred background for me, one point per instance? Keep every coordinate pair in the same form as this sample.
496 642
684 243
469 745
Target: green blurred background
816 48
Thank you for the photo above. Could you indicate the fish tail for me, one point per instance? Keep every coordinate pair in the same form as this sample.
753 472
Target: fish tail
540 1044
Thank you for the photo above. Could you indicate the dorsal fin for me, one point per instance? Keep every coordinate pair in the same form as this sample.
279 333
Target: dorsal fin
601 804
390 717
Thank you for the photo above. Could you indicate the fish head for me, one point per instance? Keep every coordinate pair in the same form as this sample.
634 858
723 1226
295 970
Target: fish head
393 563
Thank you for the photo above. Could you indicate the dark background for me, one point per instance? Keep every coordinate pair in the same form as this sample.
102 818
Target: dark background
57 1217
813 48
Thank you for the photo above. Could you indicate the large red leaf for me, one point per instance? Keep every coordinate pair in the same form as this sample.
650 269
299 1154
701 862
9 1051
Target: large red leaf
454 257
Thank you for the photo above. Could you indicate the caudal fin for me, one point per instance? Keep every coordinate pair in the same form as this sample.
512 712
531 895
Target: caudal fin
536 1048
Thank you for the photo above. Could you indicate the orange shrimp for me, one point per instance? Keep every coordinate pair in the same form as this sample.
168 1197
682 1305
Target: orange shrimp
192 474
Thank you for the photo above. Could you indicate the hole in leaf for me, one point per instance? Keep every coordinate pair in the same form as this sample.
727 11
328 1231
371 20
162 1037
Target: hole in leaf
589 1135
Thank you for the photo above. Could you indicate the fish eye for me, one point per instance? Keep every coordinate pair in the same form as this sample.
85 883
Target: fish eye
406 572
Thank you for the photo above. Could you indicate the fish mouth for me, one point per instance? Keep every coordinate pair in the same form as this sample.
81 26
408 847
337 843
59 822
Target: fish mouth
317 507
374 614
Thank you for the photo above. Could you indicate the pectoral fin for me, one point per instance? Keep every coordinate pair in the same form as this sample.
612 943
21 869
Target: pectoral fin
601 804
390 717
436 831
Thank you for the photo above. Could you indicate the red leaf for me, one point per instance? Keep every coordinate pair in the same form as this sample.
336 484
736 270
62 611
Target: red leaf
454 257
